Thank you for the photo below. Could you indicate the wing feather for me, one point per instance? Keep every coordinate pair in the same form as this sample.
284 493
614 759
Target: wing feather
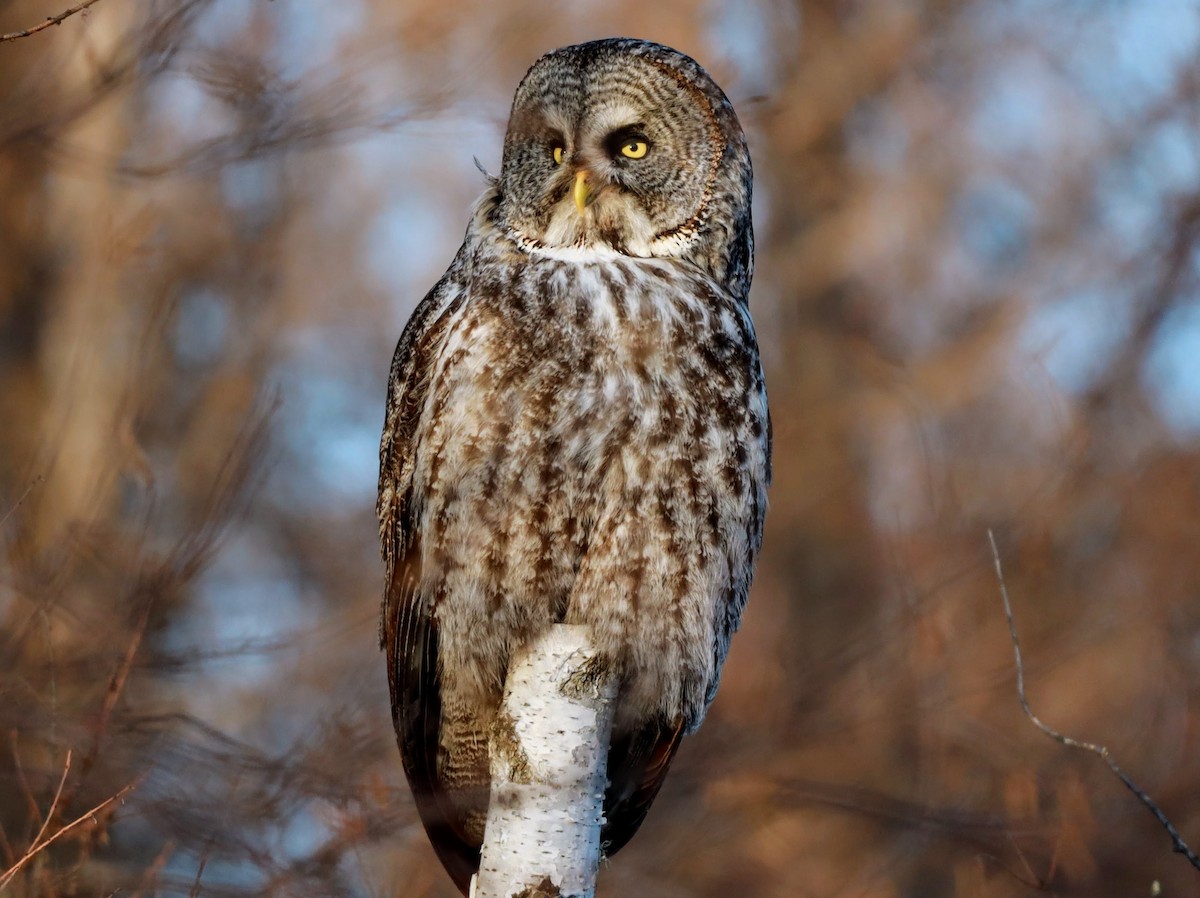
408 629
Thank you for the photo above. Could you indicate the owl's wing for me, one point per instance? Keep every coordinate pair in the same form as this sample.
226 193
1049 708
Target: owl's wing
637 766
408 393
410 640
408 631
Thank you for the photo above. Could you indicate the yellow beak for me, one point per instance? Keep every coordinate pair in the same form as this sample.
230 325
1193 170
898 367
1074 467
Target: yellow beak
581 191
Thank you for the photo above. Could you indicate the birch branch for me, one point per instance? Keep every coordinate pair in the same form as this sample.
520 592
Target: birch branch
549 756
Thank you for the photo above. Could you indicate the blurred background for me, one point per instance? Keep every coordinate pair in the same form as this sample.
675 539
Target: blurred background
977 297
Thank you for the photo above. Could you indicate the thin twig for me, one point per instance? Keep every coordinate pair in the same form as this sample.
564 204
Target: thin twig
54 804
38 847
116 686
1177 842
195 890
1034 880
25 495
50 20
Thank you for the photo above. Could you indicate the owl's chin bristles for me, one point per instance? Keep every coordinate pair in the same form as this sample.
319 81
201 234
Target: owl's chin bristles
610 223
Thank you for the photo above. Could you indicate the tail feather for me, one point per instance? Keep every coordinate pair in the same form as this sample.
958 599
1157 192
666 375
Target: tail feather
637 766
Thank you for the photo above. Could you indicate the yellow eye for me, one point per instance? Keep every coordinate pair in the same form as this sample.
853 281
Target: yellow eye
634 149
558 155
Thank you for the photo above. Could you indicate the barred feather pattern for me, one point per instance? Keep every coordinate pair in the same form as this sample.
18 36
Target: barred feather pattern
573 433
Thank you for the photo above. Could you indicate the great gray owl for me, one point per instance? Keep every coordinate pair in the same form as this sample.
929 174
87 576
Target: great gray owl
577 430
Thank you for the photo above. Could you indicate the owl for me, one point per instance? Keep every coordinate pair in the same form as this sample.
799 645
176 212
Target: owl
577 430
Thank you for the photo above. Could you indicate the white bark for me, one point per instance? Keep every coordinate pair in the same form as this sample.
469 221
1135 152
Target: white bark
549 754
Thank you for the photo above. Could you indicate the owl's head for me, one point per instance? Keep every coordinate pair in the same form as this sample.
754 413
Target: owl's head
628 146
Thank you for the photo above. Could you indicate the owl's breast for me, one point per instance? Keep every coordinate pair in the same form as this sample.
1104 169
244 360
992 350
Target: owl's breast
550 378
565 392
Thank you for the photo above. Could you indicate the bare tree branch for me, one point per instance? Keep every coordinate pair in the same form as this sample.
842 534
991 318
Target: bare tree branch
50 20
54 803
40 844
1178 844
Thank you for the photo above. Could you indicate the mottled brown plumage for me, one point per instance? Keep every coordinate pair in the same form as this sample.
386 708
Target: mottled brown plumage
577 430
